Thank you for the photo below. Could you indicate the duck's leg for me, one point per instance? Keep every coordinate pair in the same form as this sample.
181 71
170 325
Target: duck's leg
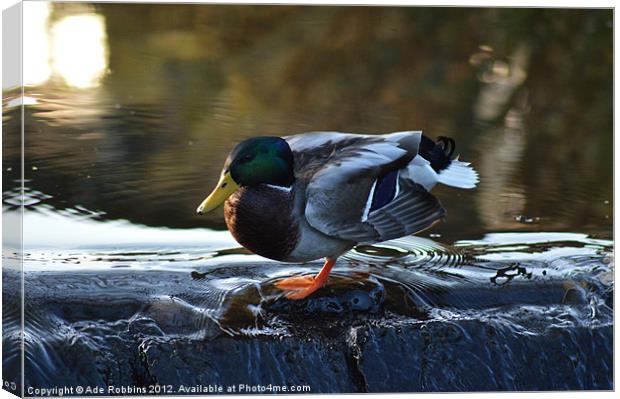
301 287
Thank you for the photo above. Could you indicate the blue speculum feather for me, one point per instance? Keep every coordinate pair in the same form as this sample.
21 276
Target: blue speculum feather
384 190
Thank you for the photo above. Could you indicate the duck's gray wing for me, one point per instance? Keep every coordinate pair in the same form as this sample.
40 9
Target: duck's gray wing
341 173
336 157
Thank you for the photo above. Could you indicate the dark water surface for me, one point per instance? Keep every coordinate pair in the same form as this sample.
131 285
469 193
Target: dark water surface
132 109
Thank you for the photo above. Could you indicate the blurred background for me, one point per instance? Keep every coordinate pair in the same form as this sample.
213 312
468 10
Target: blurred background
132 109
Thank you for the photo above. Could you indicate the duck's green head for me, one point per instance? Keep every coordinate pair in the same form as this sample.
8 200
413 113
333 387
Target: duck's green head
259 160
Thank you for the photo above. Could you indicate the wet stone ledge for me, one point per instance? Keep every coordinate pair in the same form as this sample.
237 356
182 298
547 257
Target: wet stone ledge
361 333
395 357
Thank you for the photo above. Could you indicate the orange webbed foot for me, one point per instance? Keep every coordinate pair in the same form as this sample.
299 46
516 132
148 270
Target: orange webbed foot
300 287
295 283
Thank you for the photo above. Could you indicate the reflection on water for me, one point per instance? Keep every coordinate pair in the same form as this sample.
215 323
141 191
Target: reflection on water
79 53
144 113
74 47
500 80
131 109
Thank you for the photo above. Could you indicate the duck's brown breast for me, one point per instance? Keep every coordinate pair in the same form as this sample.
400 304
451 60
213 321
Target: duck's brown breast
261 219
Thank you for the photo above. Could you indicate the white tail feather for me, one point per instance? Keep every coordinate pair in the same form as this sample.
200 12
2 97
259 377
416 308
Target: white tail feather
458 174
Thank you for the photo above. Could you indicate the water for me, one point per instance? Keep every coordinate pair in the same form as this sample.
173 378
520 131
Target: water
122 145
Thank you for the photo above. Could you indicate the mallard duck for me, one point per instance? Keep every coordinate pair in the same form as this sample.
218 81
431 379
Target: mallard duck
317 195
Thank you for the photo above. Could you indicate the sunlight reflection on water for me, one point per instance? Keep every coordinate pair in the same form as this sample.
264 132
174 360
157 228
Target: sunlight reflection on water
74 47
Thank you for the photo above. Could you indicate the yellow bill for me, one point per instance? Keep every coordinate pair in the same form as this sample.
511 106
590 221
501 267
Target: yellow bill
225 187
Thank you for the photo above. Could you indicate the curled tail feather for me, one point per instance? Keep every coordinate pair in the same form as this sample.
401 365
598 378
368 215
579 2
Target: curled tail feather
449 170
